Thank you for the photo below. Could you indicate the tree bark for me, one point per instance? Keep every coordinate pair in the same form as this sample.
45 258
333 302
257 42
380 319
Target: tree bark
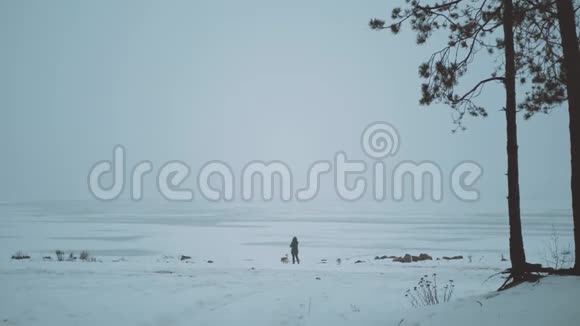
516 242
571 52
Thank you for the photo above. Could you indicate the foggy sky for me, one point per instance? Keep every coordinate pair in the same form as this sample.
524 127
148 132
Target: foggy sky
236 81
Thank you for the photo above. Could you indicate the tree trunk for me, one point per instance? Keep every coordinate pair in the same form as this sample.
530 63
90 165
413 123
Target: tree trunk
517 254
567 23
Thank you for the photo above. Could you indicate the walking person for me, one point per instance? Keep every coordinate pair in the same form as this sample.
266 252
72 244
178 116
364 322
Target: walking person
294 251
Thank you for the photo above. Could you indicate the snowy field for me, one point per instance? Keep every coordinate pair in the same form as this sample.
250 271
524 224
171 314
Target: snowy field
138 278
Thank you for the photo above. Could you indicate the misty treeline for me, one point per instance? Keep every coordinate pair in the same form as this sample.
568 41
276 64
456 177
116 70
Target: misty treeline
534 47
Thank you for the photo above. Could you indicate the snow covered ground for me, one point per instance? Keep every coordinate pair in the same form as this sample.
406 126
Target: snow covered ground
551 301
138 278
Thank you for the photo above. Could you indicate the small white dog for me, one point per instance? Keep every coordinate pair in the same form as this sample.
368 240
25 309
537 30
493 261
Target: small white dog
284 259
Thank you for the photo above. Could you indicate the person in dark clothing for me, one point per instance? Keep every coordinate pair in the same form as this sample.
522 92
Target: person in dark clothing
294 251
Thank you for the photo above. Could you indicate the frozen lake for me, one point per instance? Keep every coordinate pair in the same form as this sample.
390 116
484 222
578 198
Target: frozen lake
138 278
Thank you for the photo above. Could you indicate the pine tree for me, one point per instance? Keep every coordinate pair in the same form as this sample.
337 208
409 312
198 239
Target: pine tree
549 62
473 27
